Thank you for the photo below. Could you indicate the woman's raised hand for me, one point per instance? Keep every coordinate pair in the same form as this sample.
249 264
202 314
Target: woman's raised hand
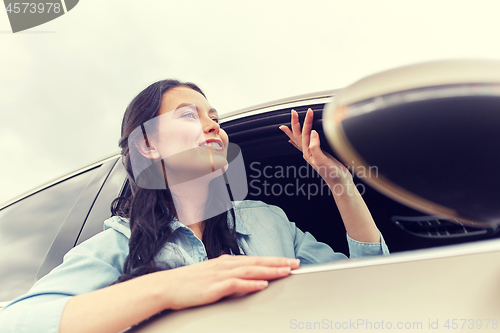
211 280
307 141
353 210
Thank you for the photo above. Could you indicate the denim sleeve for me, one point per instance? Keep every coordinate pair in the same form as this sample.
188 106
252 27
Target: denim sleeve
310 251
305 246
92 265
361 249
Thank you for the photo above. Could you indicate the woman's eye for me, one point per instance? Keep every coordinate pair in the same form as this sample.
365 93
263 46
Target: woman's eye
189 115
216 120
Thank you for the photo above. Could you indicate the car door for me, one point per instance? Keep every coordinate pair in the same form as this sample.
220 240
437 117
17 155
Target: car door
37 229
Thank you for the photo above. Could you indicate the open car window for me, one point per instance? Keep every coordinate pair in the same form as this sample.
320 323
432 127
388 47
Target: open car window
278 175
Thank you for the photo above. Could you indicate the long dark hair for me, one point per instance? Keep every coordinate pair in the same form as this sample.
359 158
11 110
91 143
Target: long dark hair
151 211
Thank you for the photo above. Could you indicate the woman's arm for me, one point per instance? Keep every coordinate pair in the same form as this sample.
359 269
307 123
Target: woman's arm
119 306
357 219
76 296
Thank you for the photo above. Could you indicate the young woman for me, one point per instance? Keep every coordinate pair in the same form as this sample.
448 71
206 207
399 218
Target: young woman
161 249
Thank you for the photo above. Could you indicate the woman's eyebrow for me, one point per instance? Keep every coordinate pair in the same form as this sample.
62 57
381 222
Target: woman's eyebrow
184 105
213 111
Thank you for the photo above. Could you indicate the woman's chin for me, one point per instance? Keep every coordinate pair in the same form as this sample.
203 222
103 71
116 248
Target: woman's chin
180 173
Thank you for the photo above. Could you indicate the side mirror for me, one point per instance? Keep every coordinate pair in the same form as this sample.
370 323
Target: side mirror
427 135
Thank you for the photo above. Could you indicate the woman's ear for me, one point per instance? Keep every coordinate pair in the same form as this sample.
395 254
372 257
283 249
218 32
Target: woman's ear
147 150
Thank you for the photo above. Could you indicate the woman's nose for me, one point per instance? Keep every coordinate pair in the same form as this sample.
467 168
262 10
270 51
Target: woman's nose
209 125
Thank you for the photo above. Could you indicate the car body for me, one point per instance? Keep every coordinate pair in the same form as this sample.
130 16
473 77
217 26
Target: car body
438 274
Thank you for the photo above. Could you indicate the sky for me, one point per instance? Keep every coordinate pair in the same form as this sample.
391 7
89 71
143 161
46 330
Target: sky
64 85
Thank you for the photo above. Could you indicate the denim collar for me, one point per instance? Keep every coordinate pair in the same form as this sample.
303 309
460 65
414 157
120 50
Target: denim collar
122 224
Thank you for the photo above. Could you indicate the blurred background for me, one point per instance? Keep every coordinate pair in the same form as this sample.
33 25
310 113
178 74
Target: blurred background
64 85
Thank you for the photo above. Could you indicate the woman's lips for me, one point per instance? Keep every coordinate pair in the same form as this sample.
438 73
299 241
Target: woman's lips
213 144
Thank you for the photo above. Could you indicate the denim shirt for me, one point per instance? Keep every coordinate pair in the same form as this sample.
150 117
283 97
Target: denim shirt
262 230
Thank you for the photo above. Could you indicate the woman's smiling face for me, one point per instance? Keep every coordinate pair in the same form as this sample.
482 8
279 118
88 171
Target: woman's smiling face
189 138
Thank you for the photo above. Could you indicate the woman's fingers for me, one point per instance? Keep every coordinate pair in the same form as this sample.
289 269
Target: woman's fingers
293 144
187 296
211 280
308 142
306 133
233 286
287 131
253 268
243 260
300 138
246 279
259 272
296 126
314 146
295 133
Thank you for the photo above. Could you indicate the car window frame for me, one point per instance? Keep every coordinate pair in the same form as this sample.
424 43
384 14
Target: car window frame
71 228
